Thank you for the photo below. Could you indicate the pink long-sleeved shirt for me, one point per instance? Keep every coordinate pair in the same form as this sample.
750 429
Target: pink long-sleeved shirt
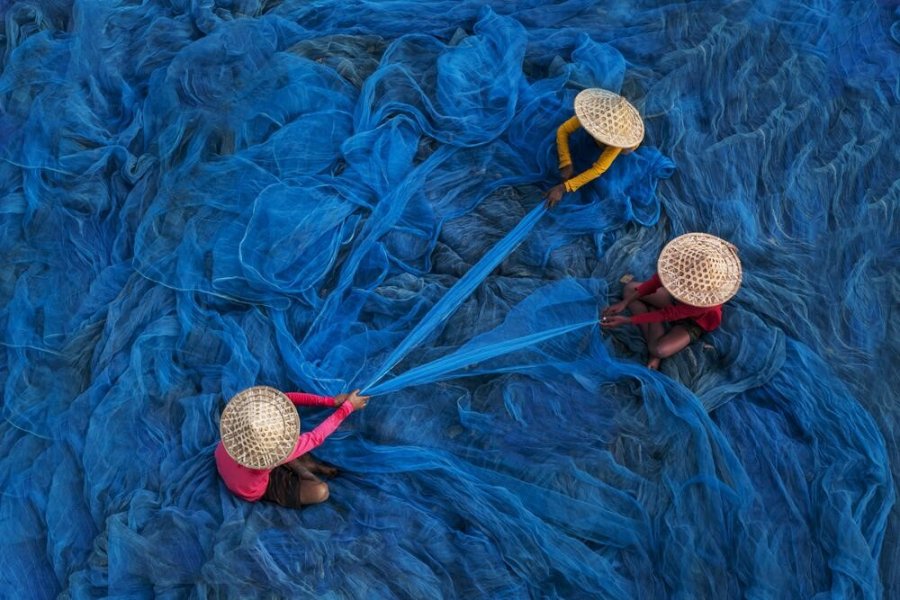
250 484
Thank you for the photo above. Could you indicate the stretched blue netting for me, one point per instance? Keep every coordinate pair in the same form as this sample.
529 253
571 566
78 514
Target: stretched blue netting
197 197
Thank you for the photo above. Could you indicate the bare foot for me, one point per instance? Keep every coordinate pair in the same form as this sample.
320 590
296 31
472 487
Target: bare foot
653 363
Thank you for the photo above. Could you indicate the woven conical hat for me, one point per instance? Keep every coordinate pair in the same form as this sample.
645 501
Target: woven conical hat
700 269
609 118
259 427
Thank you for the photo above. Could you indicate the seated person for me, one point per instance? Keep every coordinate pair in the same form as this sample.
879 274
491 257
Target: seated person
696 274
613 123
263 455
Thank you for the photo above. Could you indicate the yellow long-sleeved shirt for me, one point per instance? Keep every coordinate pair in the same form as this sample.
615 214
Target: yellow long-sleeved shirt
565 157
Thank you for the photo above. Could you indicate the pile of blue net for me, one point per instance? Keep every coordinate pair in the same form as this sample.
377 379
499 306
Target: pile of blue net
200 196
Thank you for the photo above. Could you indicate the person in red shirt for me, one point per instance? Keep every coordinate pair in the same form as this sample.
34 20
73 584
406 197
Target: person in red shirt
263 455
696 274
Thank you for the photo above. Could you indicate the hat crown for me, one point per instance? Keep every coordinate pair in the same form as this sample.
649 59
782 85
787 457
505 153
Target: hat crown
263 424
705 269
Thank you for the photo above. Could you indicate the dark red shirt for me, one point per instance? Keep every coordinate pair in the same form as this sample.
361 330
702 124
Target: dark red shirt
707 317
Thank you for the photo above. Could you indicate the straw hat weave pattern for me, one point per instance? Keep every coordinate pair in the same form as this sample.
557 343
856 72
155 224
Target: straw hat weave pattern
700 269
259 427
609 118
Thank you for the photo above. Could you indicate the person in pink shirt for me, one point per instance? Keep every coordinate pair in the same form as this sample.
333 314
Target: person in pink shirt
696 274
263 455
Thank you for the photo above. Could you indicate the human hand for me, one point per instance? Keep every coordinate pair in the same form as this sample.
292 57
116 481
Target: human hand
357 401
554 195
566 172
340 399
614 321
613 309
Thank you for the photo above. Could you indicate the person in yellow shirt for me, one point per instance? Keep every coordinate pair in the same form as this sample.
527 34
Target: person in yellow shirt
612 121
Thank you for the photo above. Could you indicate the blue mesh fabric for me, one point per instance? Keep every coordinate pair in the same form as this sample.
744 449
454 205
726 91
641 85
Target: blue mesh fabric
200 196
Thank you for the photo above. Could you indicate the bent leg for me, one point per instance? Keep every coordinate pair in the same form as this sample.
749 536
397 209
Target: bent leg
314 465
671 343
651 331
294 489
313 492
661 298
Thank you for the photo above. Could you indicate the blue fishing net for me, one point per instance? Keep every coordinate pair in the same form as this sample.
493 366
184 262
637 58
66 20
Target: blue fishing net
197 197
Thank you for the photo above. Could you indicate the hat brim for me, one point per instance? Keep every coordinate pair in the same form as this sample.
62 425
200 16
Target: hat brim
625 129
683 285
256 453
